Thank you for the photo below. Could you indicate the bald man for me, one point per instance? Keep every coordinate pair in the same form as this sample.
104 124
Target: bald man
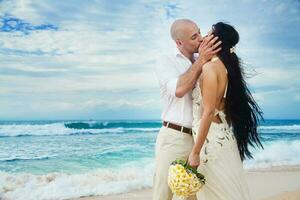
177 75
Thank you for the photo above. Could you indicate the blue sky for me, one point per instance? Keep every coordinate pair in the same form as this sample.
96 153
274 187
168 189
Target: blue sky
95 59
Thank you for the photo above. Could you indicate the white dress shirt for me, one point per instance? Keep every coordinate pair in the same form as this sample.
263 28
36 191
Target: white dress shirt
168 70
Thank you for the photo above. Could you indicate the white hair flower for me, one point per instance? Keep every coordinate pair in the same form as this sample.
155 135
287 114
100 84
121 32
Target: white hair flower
232 49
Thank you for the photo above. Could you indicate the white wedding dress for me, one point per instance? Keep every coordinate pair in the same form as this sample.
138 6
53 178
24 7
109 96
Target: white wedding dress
220 161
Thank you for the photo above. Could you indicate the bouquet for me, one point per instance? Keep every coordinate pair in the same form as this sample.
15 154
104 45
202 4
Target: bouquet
184 180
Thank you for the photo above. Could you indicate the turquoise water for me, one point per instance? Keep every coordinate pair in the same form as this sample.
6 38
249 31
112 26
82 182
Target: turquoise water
44 147
76 158
78 146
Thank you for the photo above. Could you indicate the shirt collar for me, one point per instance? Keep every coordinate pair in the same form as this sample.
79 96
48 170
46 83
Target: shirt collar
179 54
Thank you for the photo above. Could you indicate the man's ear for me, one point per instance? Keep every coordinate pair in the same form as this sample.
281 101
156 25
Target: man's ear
178 43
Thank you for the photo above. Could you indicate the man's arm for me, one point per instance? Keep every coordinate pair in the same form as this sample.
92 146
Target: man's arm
186 82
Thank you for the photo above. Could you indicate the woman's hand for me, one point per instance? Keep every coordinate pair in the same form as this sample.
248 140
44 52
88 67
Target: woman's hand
194 160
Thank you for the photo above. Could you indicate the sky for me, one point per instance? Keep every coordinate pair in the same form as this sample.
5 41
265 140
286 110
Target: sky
95 59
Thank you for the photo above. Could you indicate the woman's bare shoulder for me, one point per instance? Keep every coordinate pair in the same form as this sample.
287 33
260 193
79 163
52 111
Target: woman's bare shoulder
210 68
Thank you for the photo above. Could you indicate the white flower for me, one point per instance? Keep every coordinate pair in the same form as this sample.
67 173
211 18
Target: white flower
232 49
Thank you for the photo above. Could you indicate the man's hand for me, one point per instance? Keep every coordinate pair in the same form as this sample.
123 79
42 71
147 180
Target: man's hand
186 82
209 47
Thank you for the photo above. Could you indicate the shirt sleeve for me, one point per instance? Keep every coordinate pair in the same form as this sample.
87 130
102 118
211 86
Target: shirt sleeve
167 75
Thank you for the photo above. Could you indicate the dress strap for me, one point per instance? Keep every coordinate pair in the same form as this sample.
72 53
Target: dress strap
221 113
226 85
225 90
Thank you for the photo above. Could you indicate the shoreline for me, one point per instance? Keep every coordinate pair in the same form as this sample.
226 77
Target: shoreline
274 183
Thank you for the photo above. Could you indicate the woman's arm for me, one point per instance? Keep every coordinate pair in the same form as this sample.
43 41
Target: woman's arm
209 96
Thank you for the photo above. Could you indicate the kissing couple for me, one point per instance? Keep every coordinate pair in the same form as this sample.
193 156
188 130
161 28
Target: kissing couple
209 116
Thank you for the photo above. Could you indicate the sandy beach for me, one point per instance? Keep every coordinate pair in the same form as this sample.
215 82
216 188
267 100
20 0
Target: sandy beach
278 183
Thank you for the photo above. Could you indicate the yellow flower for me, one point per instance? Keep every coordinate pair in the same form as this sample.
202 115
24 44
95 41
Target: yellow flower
182 181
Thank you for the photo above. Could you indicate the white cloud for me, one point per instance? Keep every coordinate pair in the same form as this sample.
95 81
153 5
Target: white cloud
77 83
94 103
276 77
21 8
101 47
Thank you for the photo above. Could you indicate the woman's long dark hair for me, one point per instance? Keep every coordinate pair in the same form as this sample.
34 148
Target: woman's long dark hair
241 110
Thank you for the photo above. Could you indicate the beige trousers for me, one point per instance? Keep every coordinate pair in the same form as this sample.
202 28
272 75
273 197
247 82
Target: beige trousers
170 145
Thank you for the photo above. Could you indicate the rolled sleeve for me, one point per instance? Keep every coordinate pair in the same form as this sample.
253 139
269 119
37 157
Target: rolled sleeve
167 75
171 86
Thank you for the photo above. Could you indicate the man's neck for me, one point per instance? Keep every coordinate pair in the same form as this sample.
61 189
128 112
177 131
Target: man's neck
188 55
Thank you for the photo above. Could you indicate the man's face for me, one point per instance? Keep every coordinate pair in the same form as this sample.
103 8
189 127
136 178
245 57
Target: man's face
191 38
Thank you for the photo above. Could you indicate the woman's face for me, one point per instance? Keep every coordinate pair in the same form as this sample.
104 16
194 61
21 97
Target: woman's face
210 32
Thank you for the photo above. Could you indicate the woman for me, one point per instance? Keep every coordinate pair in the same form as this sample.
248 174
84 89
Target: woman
225 122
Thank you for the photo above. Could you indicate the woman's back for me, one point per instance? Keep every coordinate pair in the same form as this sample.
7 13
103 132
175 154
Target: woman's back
219 69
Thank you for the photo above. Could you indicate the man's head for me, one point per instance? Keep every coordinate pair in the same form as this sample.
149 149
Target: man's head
187 35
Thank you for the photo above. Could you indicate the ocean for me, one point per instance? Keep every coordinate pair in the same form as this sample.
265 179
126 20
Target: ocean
67 159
